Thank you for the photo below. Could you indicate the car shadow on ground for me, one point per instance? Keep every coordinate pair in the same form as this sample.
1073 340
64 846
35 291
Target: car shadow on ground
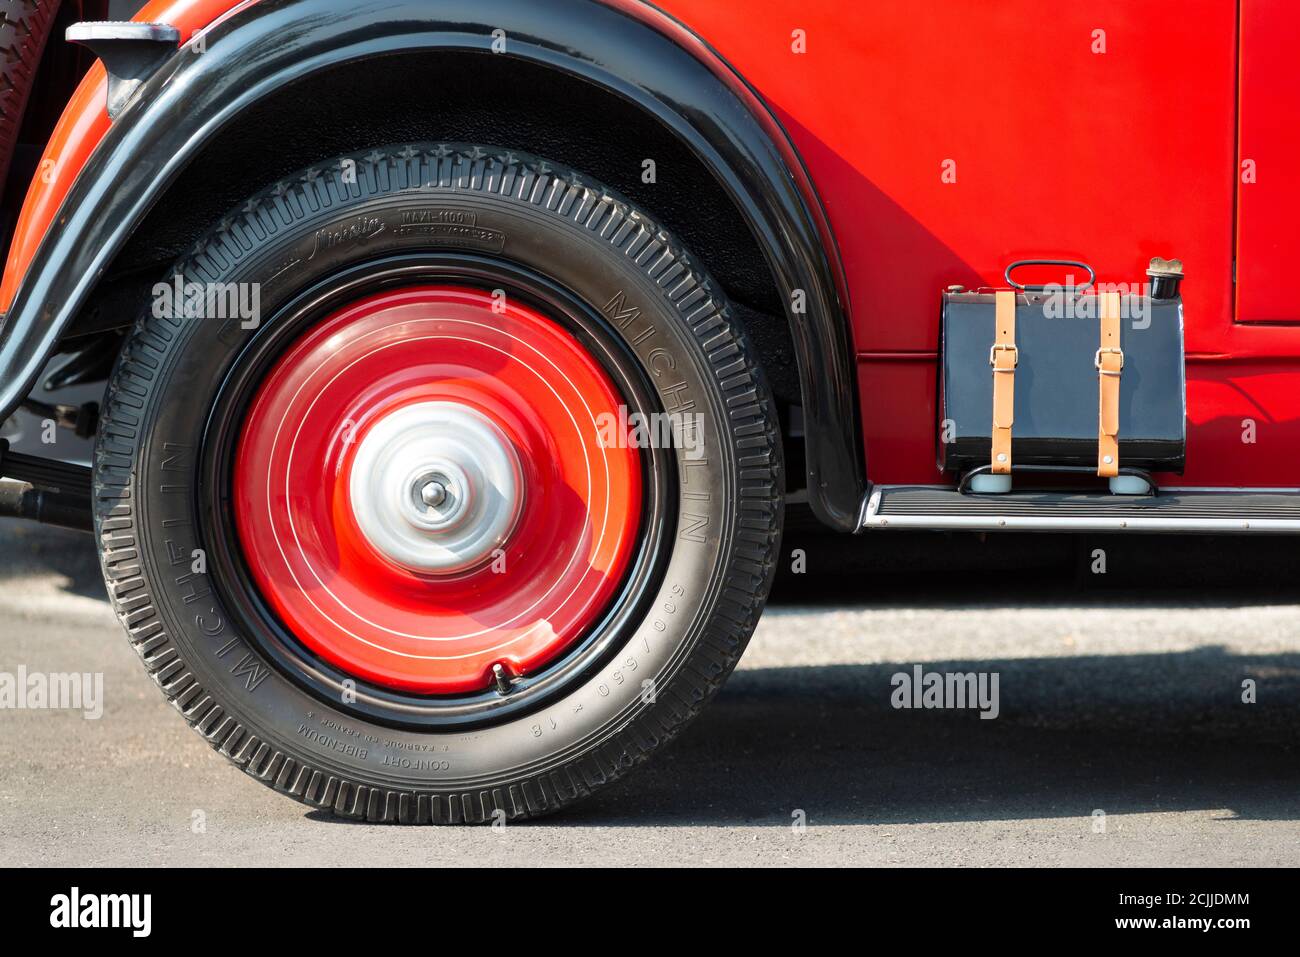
30 550
1124 734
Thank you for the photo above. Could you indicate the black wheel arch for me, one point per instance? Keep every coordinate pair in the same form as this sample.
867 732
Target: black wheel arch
627 50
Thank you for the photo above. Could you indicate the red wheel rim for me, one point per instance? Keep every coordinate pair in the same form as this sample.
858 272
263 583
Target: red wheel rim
421 490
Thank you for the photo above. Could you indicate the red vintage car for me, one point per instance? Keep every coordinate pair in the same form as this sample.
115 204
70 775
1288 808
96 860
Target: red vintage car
461 358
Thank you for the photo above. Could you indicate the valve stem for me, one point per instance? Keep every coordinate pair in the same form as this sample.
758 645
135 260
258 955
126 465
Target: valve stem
502 677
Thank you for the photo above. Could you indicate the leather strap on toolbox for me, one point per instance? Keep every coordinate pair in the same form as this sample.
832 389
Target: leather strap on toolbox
1110 364
1003 357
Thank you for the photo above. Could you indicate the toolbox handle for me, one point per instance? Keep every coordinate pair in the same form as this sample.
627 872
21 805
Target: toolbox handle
1092 276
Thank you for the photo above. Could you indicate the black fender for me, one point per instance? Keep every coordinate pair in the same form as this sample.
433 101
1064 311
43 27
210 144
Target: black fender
630 49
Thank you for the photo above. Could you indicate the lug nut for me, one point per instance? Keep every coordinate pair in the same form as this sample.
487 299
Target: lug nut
433 494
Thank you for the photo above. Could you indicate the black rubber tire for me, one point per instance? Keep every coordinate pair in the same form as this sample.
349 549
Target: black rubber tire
25 25
714 582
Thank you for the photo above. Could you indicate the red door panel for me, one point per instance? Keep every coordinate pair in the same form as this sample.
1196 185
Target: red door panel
1112 157
1268 203
1102 130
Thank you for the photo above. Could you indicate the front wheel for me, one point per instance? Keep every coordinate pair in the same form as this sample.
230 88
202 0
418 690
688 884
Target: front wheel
438 485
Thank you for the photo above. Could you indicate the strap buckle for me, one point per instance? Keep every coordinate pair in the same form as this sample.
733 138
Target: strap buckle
1096 361
1003 347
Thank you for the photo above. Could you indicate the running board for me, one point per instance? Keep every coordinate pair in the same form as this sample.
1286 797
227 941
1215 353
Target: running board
1174 510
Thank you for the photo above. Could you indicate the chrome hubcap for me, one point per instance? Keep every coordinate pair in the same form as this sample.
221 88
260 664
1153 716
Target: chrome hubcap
436 487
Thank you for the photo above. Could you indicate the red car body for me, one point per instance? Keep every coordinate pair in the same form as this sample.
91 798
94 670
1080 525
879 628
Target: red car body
949 138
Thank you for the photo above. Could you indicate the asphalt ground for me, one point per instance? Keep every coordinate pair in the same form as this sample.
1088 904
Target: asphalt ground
1119 693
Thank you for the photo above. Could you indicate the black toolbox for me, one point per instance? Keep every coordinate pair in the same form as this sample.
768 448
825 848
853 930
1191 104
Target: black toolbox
1056 365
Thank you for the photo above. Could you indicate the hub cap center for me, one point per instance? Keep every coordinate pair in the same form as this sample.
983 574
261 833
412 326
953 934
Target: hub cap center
436 487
